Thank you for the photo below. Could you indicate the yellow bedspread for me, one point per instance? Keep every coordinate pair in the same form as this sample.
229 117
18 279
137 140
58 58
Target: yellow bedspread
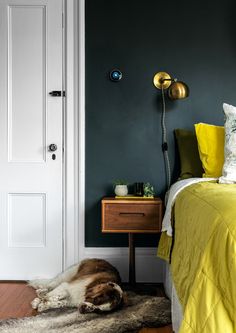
203 259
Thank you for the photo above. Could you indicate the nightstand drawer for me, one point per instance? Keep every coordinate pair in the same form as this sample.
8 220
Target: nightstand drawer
131 217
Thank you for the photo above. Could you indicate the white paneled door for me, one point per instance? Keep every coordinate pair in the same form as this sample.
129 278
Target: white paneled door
30 121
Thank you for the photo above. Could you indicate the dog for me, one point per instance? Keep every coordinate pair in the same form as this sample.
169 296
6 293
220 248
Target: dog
92 286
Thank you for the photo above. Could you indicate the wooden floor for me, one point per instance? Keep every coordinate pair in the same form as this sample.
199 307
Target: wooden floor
15 298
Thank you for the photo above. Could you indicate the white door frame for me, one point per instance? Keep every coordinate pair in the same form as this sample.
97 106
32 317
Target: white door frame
74 131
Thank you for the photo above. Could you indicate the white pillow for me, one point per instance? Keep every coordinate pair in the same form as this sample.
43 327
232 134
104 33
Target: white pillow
229 168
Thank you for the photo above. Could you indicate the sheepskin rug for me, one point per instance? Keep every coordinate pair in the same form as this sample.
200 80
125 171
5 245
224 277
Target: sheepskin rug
141 311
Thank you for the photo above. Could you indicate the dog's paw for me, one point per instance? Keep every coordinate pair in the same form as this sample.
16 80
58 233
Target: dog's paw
41 293
43 306
35 303
86 307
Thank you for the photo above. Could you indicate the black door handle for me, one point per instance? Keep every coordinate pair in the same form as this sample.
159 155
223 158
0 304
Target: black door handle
57 93
52 147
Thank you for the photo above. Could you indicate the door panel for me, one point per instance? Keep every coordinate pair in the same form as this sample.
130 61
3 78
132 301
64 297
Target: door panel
30 120
26 65
21 231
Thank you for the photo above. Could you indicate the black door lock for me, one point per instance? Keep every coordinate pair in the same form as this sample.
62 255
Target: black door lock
57 93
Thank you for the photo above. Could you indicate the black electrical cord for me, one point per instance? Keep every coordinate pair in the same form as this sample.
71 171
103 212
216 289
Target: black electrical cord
164 142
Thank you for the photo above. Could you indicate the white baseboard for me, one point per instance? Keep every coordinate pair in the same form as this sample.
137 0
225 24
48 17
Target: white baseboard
149 268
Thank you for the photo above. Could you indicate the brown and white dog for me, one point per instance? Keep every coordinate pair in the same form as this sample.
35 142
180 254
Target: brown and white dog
92 286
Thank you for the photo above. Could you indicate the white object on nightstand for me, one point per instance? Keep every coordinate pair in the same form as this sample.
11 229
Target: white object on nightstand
121 190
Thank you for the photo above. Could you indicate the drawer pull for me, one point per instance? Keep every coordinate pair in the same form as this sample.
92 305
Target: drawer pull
132 214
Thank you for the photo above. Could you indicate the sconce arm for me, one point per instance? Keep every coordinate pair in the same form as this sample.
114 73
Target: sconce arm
172 80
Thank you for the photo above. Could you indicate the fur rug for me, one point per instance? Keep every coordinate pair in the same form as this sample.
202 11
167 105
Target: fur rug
142 311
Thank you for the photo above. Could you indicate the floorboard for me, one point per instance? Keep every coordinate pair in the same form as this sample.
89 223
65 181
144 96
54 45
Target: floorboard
15 299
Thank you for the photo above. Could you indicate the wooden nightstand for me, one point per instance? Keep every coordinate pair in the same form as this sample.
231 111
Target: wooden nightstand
131 216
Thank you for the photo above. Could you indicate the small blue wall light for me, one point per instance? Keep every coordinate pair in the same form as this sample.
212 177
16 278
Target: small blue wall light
115 75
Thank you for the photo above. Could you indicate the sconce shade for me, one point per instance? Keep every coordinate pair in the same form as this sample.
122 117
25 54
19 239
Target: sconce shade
162 80
178 90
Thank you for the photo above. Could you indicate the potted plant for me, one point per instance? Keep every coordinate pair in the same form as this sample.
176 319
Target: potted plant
121 188
148 190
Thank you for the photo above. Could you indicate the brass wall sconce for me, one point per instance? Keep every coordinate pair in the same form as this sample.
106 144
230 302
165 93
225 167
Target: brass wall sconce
175 90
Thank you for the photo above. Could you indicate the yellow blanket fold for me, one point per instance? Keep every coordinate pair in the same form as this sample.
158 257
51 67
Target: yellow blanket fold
203 260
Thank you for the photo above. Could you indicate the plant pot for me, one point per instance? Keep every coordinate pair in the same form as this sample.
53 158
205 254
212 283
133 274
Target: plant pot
121 190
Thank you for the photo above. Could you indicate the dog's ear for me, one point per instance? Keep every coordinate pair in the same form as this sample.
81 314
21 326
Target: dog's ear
116 287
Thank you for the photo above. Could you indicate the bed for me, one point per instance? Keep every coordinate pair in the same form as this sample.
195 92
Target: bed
199 245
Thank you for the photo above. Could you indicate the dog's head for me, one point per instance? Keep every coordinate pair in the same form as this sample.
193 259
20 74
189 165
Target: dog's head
102 297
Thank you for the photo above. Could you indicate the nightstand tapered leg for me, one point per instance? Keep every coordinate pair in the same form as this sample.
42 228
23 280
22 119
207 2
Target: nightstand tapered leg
132 279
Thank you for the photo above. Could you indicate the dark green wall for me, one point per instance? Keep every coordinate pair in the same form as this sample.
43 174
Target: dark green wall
192 40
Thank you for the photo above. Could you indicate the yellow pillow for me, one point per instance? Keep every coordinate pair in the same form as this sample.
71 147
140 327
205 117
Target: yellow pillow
211 141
